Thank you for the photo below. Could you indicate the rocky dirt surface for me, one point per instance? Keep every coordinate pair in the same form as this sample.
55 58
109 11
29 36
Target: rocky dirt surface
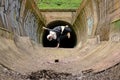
50 75
7 74
112 73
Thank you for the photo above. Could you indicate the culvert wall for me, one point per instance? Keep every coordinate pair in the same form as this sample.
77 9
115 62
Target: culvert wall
106 26
21 18
97 17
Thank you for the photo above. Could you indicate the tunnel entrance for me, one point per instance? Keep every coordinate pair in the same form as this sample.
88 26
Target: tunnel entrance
66 43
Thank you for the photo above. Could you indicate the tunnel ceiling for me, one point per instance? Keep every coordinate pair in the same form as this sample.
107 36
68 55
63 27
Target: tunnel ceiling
67 43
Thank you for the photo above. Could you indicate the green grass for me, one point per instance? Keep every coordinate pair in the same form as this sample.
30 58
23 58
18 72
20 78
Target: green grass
58 4
117 24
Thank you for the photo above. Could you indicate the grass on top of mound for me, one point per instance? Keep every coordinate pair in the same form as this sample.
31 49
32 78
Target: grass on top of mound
58 4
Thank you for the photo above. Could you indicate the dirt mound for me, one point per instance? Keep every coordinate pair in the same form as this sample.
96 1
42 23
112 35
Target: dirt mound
49 75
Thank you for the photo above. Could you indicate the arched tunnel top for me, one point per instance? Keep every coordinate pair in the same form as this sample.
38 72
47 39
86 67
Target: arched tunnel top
66 43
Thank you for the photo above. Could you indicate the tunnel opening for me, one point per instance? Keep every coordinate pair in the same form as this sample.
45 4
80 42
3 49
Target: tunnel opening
66 43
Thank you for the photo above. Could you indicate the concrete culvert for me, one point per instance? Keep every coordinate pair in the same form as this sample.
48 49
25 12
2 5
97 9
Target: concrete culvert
66 43
92 52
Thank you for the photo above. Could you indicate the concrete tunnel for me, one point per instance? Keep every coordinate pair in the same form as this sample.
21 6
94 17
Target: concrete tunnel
92 53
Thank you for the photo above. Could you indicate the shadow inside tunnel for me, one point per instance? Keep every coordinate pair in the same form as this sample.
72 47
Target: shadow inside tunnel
65 43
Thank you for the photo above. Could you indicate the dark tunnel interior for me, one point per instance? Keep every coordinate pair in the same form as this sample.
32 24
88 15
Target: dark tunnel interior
66 43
